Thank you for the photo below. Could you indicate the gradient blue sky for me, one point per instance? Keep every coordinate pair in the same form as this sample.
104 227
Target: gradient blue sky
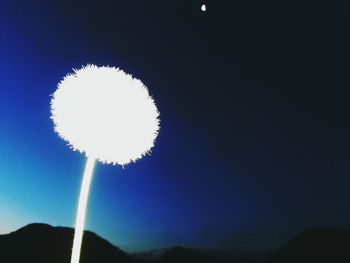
242 154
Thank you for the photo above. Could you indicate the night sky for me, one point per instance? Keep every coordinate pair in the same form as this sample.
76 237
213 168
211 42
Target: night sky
254 106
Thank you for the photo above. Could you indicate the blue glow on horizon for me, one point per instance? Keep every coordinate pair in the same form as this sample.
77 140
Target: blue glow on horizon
158 201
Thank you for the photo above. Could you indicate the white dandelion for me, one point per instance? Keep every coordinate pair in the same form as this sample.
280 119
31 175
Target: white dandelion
107 115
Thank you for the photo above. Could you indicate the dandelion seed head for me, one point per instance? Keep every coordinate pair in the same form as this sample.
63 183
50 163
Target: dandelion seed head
105 113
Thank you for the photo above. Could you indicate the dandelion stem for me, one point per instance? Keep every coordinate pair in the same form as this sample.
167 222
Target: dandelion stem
80 219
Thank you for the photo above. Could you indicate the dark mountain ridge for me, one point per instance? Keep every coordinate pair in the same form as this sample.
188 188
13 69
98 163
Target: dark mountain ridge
44 243
319 244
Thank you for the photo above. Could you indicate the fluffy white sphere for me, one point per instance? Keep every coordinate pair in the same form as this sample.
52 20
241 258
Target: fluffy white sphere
106 114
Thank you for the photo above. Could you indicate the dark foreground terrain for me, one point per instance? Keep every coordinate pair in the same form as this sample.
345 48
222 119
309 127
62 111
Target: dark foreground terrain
44 243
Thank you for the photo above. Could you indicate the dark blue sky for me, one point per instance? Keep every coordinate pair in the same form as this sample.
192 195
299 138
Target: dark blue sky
254 110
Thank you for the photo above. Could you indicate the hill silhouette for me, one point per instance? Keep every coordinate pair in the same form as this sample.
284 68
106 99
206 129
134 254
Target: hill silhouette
180 254
39 243
321 244
44 243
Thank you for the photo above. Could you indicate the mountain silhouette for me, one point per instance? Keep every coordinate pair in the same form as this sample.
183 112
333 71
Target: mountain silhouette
321 244
44 243
39 243
180 254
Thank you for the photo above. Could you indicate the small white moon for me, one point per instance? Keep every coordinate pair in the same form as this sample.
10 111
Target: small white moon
204 8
